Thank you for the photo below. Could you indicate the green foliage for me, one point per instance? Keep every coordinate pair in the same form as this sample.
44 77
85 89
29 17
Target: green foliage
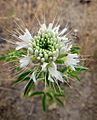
11 56
50 96
81 68
28 87
46 77
17 68
2 57
75 49
23 77
44 102
60 59
72 73
37 93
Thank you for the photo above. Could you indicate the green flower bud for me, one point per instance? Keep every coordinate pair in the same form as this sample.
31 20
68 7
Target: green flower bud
50 53
46 56
50 58
42 39
41 55
49 35
54 58
43 35
38 58
37 47
42 59
36 52
54 52
33 44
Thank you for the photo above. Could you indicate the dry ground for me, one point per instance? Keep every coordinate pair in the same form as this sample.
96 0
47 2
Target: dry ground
81 101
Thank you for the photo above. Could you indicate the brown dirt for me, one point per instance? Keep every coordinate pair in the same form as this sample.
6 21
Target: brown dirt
81 100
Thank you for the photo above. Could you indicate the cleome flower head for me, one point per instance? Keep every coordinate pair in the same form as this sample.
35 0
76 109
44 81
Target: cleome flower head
49 56
47 47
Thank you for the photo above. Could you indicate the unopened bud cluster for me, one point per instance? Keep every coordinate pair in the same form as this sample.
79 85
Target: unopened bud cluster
45 46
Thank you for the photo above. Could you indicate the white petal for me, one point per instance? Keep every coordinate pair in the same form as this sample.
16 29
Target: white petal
43 27
56 29
63 31
72 60
65 48
72 67
54 66
24 62
50 79
44 66
26 37
33 77
69 47
50 26
56 55
21 45
56 74
30 49
64 38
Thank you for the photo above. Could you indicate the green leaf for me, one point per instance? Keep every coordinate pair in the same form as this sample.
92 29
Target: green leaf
62 69
18 68
37 93
75 49
46 77
28 87
49 95
22 77
59 61
11 55
81 68
44 102
65 78
73 73
59 94
2 57
17 81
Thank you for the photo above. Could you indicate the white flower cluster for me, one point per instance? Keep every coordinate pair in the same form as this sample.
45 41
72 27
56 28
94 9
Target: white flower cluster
45 48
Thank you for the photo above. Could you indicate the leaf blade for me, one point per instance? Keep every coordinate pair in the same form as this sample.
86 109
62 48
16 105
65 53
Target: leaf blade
28 87
44 102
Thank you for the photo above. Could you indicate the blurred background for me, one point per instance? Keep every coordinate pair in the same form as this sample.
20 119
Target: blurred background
81 100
